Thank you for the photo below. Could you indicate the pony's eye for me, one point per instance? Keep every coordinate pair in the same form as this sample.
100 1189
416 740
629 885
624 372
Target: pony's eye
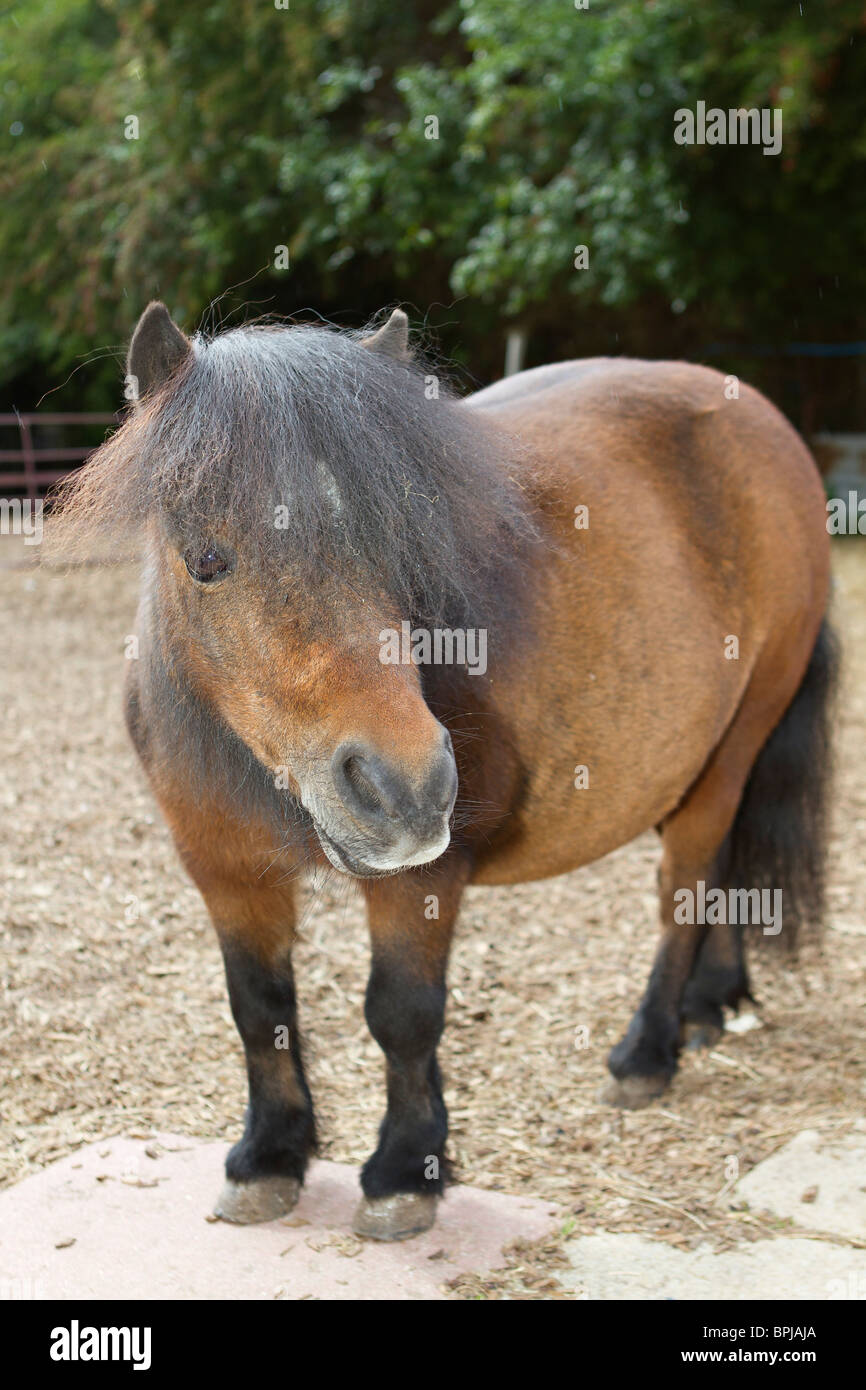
206 565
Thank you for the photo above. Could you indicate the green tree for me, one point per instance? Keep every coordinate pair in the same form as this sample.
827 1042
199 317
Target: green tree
310 128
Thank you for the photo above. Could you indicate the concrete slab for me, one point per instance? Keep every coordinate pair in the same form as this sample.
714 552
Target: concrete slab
126 1218
816 1181
609 1266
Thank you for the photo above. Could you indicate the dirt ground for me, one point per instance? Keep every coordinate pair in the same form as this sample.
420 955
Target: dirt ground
115 1018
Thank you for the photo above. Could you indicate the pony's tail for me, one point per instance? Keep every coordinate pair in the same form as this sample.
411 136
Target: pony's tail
779 837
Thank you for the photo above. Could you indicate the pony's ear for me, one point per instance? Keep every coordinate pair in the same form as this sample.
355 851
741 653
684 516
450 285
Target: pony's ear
157 349
392 338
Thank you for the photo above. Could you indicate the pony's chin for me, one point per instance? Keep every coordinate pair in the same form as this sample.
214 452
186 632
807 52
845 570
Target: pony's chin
347 863
344 862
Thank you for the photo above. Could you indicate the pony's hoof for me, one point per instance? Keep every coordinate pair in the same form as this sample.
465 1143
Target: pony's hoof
694 1035
633 1092
397 1217
266 1199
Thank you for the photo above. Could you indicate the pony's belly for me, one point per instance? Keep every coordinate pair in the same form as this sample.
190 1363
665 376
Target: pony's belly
556 834
535 854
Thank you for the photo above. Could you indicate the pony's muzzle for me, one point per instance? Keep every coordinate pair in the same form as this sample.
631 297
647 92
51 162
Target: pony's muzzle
403 812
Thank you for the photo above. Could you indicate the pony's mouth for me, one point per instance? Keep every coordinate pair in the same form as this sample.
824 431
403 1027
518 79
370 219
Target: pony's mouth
345 862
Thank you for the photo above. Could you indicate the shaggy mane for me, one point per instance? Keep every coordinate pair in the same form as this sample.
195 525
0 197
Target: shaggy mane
421 495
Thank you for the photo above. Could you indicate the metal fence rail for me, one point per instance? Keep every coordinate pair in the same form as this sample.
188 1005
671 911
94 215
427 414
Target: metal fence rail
32 475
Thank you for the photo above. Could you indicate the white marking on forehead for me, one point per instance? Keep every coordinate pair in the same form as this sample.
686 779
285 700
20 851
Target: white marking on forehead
328 485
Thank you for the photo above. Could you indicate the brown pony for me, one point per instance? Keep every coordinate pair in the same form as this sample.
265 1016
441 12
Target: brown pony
436 642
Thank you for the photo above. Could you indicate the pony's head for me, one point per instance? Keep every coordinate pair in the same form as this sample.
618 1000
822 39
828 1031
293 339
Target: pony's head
299 494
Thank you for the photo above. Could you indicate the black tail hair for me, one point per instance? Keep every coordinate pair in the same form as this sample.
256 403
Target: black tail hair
779 836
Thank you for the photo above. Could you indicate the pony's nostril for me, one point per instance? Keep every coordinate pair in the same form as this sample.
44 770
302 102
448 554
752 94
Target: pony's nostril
374 792
363 788
364 785
443 787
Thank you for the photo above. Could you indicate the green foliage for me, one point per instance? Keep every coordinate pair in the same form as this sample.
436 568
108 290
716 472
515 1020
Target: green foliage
261 127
